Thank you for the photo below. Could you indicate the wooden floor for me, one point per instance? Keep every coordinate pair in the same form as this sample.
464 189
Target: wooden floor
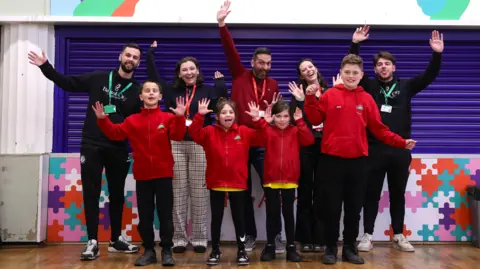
67 256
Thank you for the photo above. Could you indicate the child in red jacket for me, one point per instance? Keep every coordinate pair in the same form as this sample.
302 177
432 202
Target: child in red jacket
226 148
282 142
346 111
149 133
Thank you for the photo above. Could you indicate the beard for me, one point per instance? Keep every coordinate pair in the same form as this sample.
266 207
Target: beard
260 73
128 70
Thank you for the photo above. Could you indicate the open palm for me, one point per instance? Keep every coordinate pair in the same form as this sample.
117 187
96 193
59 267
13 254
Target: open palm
179 110
436 42
36 59
203 106
223 12
361 34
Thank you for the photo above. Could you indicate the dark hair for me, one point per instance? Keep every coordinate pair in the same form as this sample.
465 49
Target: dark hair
133 46
280 106
261 50
222 102
303 82
352 59
177 81
150 81
383 55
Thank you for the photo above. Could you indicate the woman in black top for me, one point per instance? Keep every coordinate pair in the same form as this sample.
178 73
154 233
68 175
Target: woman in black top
189 169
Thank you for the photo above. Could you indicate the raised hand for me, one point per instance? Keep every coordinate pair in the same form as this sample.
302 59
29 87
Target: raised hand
99 112
223 13
337 81
254 111
180 109
296 91
312 89
154 44
361 34
410 144
218 75
203 106
276 97
36 59
298 114
268 115
436 42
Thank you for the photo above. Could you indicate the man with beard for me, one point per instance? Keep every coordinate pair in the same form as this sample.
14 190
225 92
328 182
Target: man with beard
249 86
119 92
394 100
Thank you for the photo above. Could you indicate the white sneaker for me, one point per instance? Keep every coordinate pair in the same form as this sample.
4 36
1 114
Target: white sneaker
279 248
91 251
401 243
365 243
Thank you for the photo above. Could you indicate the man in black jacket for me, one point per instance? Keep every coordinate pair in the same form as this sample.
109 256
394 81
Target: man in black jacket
394 99
119 92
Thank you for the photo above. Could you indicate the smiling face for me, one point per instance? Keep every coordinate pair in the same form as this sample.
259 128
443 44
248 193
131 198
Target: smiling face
129 59
308 72
282 119
226 115
188 72
150 94
351 71
384 69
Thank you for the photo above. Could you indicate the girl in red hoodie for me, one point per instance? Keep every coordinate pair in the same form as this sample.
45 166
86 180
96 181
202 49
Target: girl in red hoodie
226 148
347 111
149 133
282 142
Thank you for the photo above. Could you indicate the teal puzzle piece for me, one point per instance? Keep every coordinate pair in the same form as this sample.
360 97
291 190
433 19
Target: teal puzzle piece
430 199
462 166
458 199
446 178
55 166
73 211
427 234
461 234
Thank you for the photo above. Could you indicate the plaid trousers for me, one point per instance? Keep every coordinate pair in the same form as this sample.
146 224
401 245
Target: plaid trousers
189 189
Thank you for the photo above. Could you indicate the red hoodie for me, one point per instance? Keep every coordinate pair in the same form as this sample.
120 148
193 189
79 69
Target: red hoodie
226 152
282 150
345 115
243 90
149 132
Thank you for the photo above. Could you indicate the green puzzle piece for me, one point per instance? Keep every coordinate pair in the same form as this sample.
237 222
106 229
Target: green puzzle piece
427 234
459 233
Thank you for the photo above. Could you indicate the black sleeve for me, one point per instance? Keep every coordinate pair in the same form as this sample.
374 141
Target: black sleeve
355 49
152 71
80 83
420 82
219 91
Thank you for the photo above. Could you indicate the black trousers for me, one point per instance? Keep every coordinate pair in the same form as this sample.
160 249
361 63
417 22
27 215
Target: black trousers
345 181
280 201
157 192
310 228
115 161
395 164
237 199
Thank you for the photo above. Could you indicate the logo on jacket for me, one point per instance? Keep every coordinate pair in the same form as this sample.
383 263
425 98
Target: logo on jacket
237 137
359 107
161 126
395 94
339 106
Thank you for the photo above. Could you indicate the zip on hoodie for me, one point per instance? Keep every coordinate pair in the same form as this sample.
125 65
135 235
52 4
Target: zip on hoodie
149 141
281 159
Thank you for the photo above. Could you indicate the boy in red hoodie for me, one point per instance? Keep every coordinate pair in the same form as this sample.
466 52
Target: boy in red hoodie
149 133
346 112
226 148
282 142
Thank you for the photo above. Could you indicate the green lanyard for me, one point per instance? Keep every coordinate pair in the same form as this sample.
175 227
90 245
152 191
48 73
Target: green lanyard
110 88
388 95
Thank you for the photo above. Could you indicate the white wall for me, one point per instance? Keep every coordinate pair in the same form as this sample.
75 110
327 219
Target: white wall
24 7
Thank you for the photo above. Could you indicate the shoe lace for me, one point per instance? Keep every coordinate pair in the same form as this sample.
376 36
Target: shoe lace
365 239
90 246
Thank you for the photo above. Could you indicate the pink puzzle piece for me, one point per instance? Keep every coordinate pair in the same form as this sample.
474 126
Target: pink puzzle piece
473 166
72 235
61 182
72 172
61 216
414 202
444 234
384 202
133 199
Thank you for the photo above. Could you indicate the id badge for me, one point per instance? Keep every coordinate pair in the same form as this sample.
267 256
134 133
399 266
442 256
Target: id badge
188 122
386 109
109 109
261 114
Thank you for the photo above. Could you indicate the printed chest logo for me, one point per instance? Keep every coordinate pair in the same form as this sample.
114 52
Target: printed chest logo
359 109
115 93
161 126
238 137
395 94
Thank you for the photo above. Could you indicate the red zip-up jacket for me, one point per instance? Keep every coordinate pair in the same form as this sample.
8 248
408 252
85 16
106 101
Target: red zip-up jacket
149 132
226 152
345 115
242 83
282 150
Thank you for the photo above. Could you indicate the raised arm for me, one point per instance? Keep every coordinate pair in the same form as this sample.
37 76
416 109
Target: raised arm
233 58
305 136
177 127
361 34
424 79
112 131
259 135
196 130
152 71
315 110
220 90
68 83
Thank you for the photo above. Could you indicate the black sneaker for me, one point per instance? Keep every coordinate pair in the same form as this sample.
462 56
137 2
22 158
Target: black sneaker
330 256
242 257
214 257
350 254
292 254
148 257
268 253
91 251
167 258
306 248
199 249
318 248
122 246
179 249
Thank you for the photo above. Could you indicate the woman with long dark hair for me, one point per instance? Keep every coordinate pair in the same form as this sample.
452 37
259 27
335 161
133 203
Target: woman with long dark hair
189 169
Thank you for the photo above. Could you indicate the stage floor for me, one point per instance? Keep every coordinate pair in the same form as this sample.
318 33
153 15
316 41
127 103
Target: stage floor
383 256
